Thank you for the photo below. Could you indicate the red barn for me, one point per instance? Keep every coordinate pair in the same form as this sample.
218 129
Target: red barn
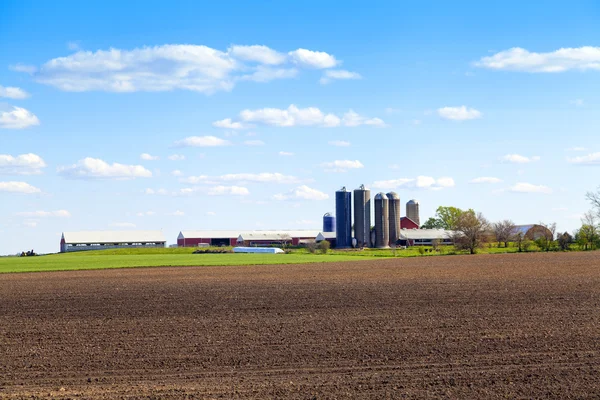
407 223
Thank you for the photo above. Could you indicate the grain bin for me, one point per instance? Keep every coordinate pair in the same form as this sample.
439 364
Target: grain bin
394 221
328 223
362 216
343 215
382 219
412 211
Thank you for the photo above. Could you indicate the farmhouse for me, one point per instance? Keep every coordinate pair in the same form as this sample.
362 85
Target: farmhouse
101 240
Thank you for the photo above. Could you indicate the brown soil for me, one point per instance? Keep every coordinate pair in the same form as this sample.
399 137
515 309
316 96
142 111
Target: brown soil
489 326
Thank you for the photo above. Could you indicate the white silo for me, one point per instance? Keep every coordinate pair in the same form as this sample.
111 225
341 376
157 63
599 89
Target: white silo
412 211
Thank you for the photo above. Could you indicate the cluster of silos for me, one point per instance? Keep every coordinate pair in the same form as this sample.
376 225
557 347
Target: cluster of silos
343 220
412 211
362 216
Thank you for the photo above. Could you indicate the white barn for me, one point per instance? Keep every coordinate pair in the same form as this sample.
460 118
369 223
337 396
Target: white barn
100 240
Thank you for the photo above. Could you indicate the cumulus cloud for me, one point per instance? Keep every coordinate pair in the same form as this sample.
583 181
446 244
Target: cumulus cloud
486 179
173 67
420 182
286 153
333 74
228 190
158 191
265 177
462 113
176 157
146 214
519 159
590 159
310 116
254 143
13 93
313 59
561 60
45 214
523 187
339 143
95 168
176 172
148 157
577 148
341 165
17 118
228 124
18 187
25 164
177 213
202 141
302 193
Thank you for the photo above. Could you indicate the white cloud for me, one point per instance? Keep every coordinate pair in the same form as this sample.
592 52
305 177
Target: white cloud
339 143
486 179
313 59
176 172
310 116
25 164
146 214
254 143
202 141
561 60
576 149
28 69
523 187
420 182
161 192
590 159
13 93
177 214
45 214
211 213
122 225
519 159
95 168
73 45
265 177
260 54
461 113
148 157
228 124
228 190
333 74
286 153
172 67
176 157
30 224
17 118
341 165
18 187
302 193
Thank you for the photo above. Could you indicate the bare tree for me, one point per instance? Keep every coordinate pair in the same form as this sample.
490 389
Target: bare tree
594 198
589 230
504 231
470 231
285 238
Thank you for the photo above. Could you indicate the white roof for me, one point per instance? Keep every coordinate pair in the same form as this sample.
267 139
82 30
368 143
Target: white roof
427 234
114 237
248 234
208 234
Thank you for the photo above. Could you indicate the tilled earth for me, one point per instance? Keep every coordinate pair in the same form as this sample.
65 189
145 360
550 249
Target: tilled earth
488 326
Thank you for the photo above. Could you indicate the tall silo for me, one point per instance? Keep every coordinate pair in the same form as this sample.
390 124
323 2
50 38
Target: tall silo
382 219
362 216
412 211
394 205
343 216
328 223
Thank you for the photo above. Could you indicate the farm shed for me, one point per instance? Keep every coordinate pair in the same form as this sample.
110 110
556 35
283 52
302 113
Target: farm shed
102 240
424 237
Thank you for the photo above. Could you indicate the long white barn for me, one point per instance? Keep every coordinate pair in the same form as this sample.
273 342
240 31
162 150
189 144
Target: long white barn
99 240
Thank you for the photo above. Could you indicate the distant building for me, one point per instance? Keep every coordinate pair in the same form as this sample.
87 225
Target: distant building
102 240
251 238
424 237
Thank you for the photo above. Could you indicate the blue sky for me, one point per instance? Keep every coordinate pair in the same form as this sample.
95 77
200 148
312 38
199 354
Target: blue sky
182 115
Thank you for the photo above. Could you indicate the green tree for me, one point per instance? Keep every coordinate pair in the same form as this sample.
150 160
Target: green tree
470 231
432 223
445 218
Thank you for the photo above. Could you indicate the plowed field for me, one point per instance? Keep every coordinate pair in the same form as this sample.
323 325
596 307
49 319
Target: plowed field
489 326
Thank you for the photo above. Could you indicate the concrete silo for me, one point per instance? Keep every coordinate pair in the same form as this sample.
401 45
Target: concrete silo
362 216
343 216
382 221
394 208
328 223
412 211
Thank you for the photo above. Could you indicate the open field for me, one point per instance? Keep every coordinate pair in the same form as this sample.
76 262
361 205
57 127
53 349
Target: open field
486 326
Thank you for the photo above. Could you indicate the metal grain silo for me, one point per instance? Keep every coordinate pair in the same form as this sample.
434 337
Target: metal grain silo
343 215
382 219
394 221
362 216
412 211
328 223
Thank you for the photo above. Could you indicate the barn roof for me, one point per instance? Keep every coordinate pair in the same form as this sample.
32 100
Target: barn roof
248 234
114 237
426 234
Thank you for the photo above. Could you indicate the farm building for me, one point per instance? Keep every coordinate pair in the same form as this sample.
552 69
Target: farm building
424 237
407 223
251 238
533 231
101 240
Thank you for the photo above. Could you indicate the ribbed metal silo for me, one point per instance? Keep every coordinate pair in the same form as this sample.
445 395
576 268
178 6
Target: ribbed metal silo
343 215
394 221
362 216
382 219
328 223
412 211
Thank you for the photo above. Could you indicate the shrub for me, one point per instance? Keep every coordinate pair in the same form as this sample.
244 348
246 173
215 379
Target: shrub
311 247
421 250
324 246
